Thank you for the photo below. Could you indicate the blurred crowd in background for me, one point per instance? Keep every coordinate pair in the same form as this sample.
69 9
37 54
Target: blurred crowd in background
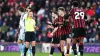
9 18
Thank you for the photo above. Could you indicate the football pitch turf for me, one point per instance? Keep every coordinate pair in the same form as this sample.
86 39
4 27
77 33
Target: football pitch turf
39 54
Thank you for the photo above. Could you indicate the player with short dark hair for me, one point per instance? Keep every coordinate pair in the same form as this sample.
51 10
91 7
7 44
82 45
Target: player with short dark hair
78 19
55 33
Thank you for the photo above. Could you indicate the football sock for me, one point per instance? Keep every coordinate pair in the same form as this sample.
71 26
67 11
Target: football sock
52 50
74 49
29 50
25 50
63 54
21 48
33 50
81 49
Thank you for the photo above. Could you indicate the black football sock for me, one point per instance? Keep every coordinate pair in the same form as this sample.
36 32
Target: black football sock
81 48
33 50
52 50
25 51
74 49
63 54
67 51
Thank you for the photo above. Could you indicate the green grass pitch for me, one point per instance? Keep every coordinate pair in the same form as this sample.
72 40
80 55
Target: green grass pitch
39 54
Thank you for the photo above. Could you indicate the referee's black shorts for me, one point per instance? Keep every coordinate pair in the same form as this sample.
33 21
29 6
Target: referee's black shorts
30 36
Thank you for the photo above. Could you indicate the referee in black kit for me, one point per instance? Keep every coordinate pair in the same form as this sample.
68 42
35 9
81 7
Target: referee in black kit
30 32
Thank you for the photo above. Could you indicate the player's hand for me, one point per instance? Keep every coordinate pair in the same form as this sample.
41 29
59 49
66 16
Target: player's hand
51 34
49 22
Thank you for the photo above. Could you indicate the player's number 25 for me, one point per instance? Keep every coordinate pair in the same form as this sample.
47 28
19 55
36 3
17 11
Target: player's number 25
79 15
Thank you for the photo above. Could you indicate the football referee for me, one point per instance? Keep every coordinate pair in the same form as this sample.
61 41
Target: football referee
30 33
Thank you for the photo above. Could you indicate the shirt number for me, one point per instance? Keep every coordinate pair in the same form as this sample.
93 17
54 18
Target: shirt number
79 15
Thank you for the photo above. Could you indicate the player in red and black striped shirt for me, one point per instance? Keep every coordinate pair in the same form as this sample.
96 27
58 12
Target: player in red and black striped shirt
56 33
77 14
65 29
